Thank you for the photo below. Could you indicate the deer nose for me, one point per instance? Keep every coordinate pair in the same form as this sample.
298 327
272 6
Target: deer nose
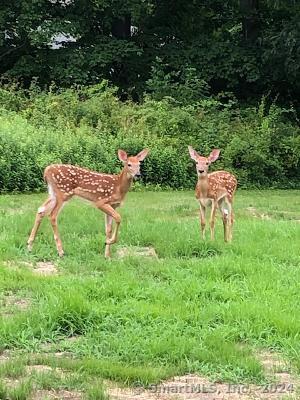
201 171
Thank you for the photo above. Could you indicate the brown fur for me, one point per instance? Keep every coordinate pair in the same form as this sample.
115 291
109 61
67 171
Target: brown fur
105 191
219 184
216 189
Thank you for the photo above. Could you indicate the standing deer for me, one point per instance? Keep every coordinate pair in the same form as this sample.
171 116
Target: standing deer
105 191
217 189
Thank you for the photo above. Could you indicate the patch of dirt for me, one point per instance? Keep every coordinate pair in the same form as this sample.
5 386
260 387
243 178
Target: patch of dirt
16 264
45 268
41 267
257 214
12 383
22 304
56 395
26 264
278 368
63 354
272 362
188 387
41 368
4 356
283 215
12 301
39 394
38 368
134 251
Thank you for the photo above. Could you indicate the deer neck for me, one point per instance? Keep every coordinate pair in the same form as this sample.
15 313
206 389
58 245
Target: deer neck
203 185
125 180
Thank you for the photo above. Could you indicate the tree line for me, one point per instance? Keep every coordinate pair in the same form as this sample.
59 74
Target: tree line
245 47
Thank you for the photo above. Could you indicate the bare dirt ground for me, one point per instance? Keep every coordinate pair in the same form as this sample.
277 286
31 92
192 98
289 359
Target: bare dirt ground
283 384
4 356
56 395
257 214
40 268
11 302
195 387
135 251
254 212
45 268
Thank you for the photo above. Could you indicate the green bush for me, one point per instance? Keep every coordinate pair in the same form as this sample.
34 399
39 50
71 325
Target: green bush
86 126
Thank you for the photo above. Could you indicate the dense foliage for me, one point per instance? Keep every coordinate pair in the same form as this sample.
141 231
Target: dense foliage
86 126
246 46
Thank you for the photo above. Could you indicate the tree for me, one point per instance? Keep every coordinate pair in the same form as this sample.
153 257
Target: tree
248 47
250 19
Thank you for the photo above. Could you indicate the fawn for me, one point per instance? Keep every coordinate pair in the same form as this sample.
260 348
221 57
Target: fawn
104 191
216 189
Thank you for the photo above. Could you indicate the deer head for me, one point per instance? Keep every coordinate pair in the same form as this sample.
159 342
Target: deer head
132 164
203 163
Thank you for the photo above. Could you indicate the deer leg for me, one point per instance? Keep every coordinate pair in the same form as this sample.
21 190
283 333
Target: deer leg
108 232
230 220
202 220
224 214
212 219
44 210
110 211
53 219
227 216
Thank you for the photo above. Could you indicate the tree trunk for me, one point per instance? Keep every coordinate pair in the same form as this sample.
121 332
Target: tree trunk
121 27
250 19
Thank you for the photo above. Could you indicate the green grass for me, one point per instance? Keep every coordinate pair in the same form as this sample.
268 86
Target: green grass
202 307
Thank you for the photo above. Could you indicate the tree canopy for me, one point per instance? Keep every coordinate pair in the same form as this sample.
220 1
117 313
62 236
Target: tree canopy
248 47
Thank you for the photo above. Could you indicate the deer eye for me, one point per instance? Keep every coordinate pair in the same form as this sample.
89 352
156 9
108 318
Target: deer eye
207 162
129 164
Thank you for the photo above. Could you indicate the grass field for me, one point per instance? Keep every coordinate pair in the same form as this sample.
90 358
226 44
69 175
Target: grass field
200 307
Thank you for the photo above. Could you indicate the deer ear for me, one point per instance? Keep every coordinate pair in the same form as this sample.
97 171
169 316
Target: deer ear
122 155
193 154
143 154
214 155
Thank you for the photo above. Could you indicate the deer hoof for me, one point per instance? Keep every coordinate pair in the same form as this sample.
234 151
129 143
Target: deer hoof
61 253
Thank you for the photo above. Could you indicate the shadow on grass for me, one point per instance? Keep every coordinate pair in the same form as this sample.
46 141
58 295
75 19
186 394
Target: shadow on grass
204 250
